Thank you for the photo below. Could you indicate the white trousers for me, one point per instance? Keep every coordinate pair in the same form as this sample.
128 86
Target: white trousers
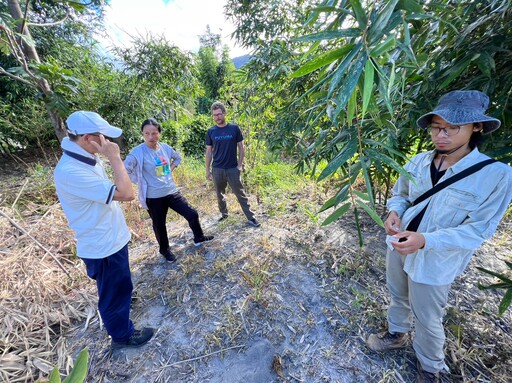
424 303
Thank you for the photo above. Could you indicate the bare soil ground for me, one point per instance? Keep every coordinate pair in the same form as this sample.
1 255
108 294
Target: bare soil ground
290 301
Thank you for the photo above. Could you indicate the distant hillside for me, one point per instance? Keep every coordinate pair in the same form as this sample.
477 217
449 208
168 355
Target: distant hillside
241 60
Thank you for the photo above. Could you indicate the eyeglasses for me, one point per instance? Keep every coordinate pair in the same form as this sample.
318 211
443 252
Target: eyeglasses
450 130
218 114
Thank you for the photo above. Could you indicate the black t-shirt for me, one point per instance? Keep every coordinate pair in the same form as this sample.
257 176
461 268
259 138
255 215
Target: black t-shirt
224 142
436 176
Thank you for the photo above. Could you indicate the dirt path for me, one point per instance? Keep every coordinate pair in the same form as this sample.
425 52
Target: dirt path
289 302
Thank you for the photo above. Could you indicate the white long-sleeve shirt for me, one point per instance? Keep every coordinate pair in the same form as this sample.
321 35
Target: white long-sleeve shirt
458 218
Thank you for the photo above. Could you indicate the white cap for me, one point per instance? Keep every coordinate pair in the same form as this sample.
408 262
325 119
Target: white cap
83 122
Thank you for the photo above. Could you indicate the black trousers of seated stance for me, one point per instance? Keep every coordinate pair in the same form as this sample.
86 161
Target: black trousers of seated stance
158 207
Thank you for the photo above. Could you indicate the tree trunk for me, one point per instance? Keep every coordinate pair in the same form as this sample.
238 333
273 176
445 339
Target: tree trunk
31 53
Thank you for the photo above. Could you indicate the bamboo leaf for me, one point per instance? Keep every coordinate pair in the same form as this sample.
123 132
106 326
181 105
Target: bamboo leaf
379 25
359 13
505 302
341 70
502 277
329 35
391 80
367 180
456 70
337 214
362 195
343 156
79 372
352 105
322 60
341 196
375 155
384 47
328 9
54 376
348 86
372 213
390 149
494 286
486 64
410 5
369 73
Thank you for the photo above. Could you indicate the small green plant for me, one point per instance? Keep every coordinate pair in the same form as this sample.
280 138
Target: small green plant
41 188
257 277
78 373
506 283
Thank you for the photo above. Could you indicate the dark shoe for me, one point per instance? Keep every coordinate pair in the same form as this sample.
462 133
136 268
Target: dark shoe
169 256
425 376
254 223
222 218
385 341
203 239
137 339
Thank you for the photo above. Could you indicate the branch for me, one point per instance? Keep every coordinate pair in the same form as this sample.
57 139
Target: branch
199 357
49 24
18 53
13 76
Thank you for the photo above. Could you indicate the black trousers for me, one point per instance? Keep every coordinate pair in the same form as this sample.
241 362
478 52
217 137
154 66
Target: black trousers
158 207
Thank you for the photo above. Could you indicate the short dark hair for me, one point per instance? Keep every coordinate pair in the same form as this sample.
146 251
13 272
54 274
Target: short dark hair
218 105
476 139
152 122
74 137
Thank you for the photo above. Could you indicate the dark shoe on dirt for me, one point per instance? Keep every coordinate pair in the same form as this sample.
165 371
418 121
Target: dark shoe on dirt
385 341
425 376
137 339
169 256
254 223
222 218
203 239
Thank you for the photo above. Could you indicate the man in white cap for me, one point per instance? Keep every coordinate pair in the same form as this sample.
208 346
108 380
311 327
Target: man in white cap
433 229
88 198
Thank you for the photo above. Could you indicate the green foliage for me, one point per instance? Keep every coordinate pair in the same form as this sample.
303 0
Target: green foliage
505 283
348 79
274 183
42 188
78 373
187 135
194 145
23 124
214 68
26 58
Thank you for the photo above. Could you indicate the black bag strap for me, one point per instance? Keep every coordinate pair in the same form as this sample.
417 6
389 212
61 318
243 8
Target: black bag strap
457 177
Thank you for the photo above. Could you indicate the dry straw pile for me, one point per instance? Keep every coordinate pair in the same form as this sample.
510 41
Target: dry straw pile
41 292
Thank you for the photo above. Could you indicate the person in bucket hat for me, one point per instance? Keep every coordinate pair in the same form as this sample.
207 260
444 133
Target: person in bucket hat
89 200
462 107
431 242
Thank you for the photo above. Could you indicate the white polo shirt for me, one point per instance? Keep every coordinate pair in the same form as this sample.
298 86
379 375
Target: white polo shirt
86 195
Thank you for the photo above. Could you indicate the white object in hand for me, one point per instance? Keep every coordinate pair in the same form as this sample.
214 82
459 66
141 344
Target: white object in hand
389 240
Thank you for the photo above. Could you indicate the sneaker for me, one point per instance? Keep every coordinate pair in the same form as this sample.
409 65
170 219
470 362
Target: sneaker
385 341
224 216
169 256
425 376
254 223
137 339
203 239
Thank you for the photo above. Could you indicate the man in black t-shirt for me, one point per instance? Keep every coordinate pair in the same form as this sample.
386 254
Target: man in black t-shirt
223 140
